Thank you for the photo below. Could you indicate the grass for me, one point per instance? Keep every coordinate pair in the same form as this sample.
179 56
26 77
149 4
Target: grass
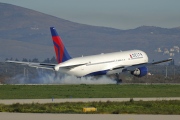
92 91
131 107
87 91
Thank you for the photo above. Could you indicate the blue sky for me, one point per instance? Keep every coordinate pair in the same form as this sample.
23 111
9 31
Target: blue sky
121 14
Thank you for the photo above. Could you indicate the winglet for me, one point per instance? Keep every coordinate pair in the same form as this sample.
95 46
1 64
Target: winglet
60 50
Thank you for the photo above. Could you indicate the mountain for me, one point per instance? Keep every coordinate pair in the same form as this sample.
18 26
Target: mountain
25 33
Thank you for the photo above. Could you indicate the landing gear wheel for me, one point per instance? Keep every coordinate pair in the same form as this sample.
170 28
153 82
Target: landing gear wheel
117 79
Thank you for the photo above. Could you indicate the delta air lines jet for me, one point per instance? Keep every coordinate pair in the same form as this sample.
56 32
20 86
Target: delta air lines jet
134 61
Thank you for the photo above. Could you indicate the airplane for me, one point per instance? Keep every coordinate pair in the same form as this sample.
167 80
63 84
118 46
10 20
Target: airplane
133 61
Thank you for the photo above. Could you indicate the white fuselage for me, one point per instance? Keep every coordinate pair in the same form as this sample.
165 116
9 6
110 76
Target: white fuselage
109 63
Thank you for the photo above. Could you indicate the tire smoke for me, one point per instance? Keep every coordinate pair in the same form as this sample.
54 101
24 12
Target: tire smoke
50 77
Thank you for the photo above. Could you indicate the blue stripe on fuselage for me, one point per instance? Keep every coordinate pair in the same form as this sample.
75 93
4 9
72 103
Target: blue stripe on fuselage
104 72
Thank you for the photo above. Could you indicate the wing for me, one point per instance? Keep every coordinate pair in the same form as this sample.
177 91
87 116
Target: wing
37 65
153 63
45 65
133 67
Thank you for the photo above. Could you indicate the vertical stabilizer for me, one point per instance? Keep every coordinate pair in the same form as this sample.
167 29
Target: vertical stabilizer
61 52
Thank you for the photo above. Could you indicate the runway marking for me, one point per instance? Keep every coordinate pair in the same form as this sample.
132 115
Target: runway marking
22 101
44 116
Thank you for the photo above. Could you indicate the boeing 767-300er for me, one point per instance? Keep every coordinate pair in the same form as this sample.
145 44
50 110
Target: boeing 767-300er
135 61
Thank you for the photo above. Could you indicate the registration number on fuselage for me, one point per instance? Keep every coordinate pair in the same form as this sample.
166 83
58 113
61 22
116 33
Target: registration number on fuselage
136 55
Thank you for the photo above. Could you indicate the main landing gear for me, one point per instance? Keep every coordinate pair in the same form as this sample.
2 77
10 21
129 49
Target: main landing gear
118 79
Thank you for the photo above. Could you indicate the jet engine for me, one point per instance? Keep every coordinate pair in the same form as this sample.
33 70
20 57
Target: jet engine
139 72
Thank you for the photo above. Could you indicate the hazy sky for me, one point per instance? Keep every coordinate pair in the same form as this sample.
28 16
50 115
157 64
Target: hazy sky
122 14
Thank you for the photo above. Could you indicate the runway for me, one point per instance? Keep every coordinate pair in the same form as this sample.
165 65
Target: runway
32 116
54 100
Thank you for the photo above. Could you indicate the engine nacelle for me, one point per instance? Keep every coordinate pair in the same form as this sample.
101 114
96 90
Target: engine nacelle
139 72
